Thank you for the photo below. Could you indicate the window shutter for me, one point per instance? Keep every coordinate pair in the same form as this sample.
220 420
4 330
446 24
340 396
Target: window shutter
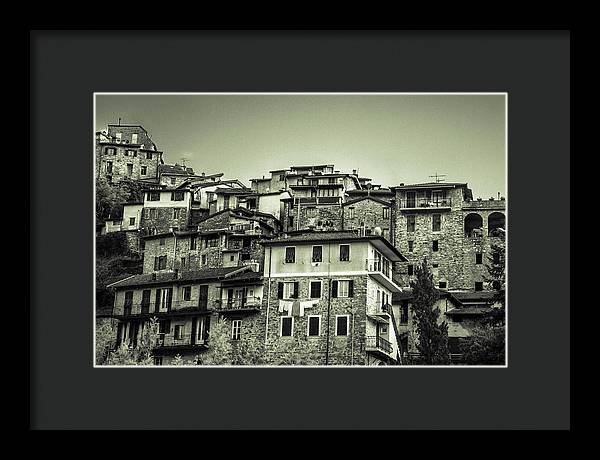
334 288
193 336
296 289
206 327
168 327
351 288
280 290
155 263
169 298
157 302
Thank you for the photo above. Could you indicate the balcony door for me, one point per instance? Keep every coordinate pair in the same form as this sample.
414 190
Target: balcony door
164 298
411 199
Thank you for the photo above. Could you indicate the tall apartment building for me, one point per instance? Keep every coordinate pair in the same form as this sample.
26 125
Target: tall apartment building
126 152
442 222
328 298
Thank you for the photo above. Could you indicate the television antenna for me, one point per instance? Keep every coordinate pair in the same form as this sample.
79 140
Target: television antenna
439 177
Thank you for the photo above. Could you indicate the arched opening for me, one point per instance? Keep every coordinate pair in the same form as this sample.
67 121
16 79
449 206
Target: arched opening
473 225
496 224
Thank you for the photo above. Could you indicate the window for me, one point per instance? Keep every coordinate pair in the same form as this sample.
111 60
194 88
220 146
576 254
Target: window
287 326
143 170
351 213
290 255
291 221
410 270
341 325
193 242
110 151
343 288
231 258
479 285
478 258
281 177
317 254
344 252
153 196
435 246
145 300
148 155
314 326
437 222
203 259
109 166
226 202
178 333
236 329
173 180
158 360
410 223
164 326
183 261
404 312
134 138
119 136
386 213
131 221
176 213
160 263
288 290
129 169
442 285
128 303
177 196
435 265
496 285
315 289
130 153
331 180
161 241
411 245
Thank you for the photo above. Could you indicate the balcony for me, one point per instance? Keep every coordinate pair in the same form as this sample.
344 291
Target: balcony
424 203
164 341
244 303
381 271
315 200
174 307
378 345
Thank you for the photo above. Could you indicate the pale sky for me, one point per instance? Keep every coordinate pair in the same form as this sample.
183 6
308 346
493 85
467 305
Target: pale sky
389 138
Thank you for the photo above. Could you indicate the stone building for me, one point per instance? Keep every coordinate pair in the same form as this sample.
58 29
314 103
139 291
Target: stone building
462 312
166 210
174 175
327 299
185 303
368 213
226 239
126 152
442 222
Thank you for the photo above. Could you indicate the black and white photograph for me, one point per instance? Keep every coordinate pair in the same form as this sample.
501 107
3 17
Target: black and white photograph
300 229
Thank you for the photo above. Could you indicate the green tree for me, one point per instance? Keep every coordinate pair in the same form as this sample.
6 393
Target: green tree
432 335
109 199
106 336
486 345
220 351
141 355
496 278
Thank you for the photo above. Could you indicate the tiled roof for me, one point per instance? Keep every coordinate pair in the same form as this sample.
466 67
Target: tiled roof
176 169
232 191
430 185
474 296
169 277
367 197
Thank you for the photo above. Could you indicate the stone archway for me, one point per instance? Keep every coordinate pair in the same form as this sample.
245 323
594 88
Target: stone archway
496 223
473 225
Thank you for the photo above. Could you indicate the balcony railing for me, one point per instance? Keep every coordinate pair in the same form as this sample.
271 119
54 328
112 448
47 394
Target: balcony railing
182 340
317 200
245 302
379 265
145 308
378 343
418 203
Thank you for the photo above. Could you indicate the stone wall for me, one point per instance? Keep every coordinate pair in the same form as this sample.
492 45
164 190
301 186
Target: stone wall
161 219
120 160
370 213
301 349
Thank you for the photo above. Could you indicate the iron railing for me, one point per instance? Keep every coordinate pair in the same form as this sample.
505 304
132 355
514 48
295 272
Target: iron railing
377 342
240 303
424 202
379 265
144 308
182 340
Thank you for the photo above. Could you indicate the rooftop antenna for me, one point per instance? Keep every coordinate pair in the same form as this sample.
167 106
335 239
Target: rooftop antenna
439 177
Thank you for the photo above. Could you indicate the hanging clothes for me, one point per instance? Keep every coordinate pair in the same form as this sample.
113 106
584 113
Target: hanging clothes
295 308
285 305
307 304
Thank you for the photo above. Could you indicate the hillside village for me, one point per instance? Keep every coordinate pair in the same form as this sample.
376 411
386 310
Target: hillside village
305 265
